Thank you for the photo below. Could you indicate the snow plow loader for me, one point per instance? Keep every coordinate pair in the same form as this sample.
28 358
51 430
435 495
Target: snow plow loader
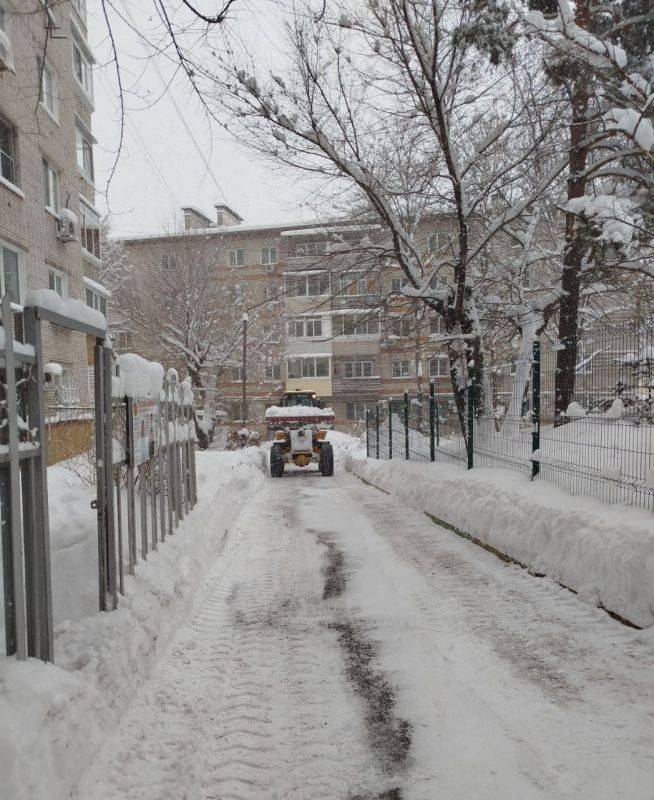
298 428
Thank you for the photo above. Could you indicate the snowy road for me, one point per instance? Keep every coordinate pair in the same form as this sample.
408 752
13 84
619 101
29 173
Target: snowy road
344 647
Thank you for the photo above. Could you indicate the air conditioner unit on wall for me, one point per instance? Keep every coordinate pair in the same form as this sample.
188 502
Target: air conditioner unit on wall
5 52
68 226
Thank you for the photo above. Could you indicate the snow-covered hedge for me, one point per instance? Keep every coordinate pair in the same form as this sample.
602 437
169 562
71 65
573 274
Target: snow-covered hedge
605 553
54 718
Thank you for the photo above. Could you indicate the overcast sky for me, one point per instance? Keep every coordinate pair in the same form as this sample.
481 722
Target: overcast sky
160 169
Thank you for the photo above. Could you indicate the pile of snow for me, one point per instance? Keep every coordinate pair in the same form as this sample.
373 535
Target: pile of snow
49 300
139 377
605 553
298 411
58 716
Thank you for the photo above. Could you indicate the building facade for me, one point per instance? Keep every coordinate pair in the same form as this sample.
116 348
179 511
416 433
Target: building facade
47 174
324 312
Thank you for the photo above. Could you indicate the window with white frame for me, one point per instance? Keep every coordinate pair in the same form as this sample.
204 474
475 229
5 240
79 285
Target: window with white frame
270 292
308 367
96 300
359 368
317 247
438 241
84 152
58 281
305 327
48 87
356 284
8 151
399 283
401 326
12 262
439 367
66 393
123 340
89 229
237 373
436 325
50 186
169 260
312 285
273 372
82 67
237 257
401 369
355 325
356 411
268 255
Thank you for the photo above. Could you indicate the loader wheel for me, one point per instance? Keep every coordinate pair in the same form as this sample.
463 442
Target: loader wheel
276 461
327 460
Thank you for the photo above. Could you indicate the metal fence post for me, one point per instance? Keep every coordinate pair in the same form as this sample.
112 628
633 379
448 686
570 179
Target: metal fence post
377 431
471 414
367 433
390 429
432 449
406 425
535 409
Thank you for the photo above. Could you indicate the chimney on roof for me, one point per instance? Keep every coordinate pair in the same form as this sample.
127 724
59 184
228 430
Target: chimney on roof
194 218
226 216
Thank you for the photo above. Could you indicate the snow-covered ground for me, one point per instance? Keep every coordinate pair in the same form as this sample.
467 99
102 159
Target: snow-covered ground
342 646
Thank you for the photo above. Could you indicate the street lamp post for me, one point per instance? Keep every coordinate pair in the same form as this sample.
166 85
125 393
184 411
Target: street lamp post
244 368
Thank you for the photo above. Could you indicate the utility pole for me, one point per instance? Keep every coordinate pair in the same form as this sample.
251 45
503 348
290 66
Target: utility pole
244 368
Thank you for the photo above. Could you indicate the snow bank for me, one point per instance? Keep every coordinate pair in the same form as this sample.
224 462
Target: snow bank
58 716
605 553
49 300
298 411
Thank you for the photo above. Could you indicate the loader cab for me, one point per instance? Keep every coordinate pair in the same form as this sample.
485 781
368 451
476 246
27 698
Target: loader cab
301 399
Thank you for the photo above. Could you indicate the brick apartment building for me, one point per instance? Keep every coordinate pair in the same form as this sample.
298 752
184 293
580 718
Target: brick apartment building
46 157
328 317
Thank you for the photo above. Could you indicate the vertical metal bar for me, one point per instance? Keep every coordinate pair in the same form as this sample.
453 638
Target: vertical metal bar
143 498
107 421
119 517
535 409
160 472
406 425
7 564
153 504
432 448
98 351
377 430
131 501
169 465
471 415
20 600
38 543
367 433
390 429
437 414
32 586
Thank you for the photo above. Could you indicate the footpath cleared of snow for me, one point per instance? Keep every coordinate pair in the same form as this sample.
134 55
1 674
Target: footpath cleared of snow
54 718
605 553
345 647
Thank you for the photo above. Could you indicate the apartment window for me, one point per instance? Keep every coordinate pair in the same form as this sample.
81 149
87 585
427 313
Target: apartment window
270 292
356 411
58 281
316 248
237 257
401 326
50 186
82 67
90 229
66 393
351 325
97 301
439 367
84 153
273 372
357 369
10 277
400 369
48 87
237 373
169 261
357 284
308 367
306 328
7 152
525 278
123 340
398 284
438 242
268 255
436 324
307 285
